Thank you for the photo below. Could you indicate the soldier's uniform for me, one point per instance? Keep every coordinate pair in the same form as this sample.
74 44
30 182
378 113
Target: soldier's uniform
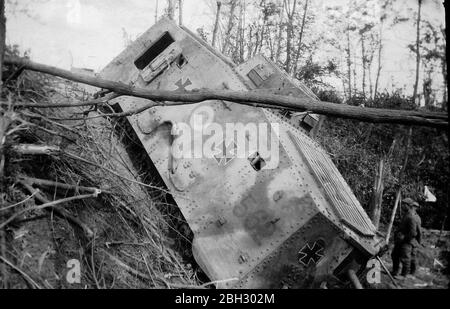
407 239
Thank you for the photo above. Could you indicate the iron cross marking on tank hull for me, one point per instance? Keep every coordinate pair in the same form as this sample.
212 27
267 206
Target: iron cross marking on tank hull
310 253
228 153
182 86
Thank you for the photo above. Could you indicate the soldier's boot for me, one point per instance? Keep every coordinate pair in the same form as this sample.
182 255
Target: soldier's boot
413 268
396 269
405 270
395 261
405 259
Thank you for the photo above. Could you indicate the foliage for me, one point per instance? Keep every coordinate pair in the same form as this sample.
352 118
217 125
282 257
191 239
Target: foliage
357 147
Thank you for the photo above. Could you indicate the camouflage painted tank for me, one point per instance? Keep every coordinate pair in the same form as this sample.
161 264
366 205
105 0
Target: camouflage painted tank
262 217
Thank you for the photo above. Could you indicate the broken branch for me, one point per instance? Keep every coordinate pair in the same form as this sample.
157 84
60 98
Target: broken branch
95 102
48 183
62 213
24 275
31 149
48 204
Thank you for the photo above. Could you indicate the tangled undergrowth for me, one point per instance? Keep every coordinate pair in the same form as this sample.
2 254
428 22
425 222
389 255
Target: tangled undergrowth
82 190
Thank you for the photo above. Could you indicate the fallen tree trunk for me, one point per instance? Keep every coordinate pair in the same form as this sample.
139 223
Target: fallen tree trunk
254 98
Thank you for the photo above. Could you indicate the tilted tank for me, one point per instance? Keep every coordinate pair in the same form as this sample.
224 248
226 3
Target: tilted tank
267 217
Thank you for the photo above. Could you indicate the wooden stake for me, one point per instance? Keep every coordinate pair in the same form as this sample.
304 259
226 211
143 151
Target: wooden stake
400 180
394 211
377 197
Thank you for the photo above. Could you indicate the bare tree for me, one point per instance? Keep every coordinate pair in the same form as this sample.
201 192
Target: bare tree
367 51
386 5
2 39
180 12
156 12
216 24
170 9
279 36
300 38
4 123
230 25
380 50
416 82
349 63
290 12
241 31
363 59
444 70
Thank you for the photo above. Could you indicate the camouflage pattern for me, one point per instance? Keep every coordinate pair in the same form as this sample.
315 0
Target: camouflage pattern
272 219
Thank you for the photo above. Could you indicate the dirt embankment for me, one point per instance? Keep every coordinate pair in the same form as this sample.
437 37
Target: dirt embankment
129 234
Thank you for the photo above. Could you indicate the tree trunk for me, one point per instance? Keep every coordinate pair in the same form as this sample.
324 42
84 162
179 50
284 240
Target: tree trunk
369 71
444 73
4 124
216 24
416 82
280 35
252 98
229 27
170 9
4 119
180 12
289 33
2 40
156 12
349 64
380 47
363 55
299 46
354 75
241 35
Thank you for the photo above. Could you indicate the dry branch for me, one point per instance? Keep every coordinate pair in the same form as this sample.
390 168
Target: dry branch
376 115
94 102
62 213
53 184
21 272
46 205
31 149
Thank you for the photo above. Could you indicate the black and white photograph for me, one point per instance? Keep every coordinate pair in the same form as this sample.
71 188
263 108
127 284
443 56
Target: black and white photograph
229 151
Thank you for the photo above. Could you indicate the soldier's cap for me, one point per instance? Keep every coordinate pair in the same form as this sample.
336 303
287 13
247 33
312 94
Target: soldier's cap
410 202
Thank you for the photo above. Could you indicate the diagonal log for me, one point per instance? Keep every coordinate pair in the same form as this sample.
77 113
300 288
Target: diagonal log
254 98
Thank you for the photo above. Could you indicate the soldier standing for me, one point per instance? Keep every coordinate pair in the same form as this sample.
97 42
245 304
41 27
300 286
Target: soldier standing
407 239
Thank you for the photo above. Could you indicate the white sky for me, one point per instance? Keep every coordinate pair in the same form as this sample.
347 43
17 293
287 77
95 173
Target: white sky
88 33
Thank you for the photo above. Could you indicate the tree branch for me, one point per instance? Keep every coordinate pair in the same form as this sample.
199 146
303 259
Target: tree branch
62 213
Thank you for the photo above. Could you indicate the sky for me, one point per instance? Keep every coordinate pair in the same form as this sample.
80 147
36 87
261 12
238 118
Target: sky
84 33
90 33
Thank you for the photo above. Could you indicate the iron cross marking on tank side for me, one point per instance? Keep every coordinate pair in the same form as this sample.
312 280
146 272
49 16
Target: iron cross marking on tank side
182 86
310 253
228 153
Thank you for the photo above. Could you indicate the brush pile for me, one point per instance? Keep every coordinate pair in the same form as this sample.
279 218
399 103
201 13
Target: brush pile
79 193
